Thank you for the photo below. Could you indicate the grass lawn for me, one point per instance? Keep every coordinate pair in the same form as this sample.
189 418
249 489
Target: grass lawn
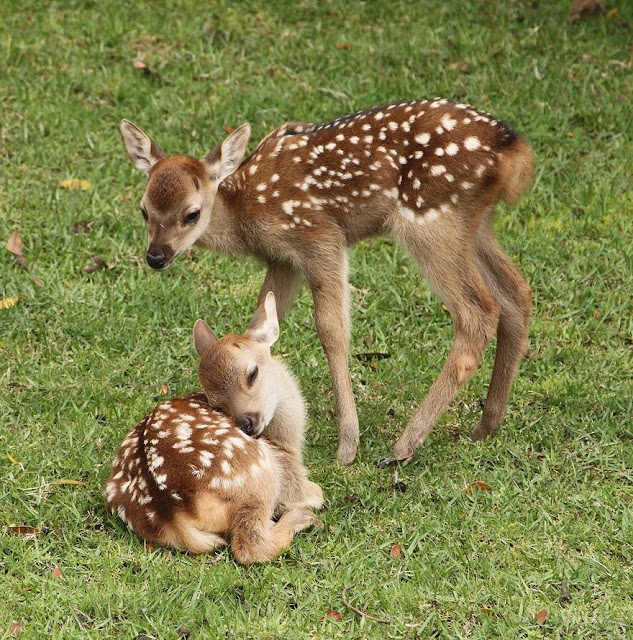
85 355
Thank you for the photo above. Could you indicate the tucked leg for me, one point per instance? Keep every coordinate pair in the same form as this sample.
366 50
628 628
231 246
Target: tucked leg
256 538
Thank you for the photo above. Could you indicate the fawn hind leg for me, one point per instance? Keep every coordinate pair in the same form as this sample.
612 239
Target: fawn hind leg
450 268
513 294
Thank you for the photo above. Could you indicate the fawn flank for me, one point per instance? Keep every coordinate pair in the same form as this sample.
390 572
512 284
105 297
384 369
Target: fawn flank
427 172
208 468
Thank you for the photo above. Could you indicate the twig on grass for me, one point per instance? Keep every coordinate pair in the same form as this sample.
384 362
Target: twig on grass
360 612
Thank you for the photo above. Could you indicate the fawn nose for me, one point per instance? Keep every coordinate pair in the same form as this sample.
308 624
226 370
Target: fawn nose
157 257
248 422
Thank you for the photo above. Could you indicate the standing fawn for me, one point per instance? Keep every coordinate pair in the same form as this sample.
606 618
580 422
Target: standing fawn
428 172
210 467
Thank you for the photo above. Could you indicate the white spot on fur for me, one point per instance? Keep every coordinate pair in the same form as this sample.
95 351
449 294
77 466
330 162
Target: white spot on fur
447 122
252 169
439 151
438 169
423 138
471 143
226 467
467 185
274 177
451 149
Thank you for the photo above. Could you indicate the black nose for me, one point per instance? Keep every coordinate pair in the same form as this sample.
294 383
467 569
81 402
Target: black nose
156 258
246 422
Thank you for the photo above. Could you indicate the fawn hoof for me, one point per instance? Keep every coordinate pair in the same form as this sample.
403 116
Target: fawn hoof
346 453
482 431
391 462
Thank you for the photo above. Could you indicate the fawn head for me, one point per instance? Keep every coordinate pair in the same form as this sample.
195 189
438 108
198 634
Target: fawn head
178 200
238 373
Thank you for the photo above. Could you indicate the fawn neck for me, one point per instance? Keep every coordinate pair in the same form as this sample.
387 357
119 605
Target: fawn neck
286 428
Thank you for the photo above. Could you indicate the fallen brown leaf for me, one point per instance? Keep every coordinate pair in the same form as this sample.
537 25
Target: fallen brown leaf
541 616
57 573
28 533
581 8
14 245
16 629
343 45
75 184
97 265
613 13
82 226
13 460
147 546
396 550
478 484
459 65
164 389
335 615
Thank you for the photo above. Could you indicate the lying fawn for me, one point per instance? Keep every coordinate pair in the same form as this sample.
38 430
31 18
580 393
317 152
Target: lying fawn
210 467
427 172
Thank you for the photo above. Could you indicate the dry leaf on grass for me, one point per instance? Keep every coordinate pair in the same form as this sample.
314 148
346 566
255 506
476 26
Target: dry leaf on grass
141 66
57 573
75 184
396 550
164 389
98 265
581 8
343 45
335 615
459 65
7 303
478 484
13 460
14 245
541 616
16 629
28 533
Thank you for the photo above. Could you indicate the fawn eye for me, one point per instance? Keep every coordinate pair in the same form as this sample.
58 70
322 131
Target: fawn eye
144 214
252 376
192 216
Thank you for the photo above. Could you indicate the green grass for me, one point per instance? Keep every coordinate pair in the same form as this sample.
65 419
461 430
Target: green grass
83 356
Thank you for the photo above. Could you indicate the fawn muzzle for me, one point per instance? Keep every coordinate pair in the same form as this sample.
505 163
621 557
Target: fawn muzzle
250 423
159 257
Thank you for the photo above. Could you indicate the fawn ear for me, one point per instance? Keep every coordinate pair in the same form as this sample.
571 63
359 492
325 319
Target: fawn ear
203 337
227 157
264 326
141 149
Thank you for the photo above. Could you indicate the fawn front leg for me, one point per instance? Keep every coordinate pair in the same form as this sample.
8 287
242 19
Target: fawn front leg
284 281
330 291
